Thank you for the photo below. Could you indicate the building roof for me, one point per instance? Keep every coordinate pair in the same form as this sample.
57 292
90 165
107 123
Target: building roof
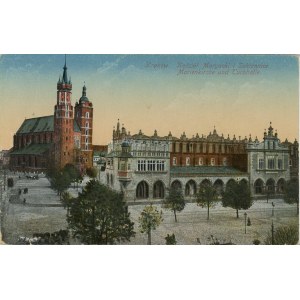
35 149
205 170
76 127
99 153
100 148
40 124
84 98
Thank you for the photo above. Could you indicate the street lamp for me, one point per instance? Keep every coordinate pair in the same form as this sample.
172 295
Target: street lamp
273 205
272 231
245 214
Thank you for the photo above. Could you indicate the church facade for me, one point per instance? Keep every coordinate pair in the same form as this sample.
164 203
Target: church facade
64 137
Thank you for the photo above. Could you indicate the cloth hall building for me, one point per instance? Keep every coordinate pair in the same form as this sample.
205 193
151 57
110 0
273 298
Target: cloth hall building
64 137
145 167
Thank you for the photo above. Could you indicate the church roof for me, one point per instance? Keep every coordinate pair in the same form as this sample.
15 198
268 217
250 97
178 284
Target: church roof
41 124
76 127
36 149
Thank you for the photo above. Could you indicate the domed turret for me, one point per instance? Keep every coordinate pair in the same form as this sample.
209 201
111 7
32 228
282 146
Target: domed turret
84 98
125 144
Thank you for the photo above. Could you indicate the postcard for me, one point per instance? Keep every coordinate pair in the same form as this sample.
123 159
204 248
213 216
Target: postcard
149 149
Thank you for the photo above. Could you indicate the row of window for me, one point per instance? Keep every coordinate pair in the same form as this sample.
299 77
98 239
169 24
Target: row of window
42 138
271 145
271 163
200 161
210 148
162 154
87 115
67 114
151 165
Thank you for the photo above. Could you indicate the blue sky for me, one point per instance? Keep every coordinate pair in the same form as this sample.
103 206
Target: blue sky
147 92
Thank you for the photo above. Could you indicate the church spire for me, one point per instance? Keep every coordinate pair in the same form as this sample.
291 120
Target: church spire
65 75
84 91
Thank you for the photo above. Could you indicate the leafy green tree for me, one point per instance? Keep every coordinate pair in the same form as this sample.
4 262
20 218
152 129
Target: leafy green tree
237 196
175 201
91 172
73 172
149 220
291 194
99 215
170 239
60 182
207 196
284 235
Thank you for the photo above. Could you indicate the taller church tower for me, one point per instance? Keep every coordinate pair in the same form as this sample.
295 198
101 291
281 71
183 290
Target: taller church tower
64 122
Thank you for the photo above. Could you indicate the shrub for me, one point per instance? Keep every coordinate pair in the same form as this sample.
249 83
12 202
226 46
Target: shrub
91 172
10 182
284 235
248 222
170 239
256 242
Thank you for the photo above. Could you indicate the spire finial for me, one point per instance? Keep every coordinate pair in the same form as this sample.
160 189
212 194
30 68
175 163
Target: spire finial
84 91
65 76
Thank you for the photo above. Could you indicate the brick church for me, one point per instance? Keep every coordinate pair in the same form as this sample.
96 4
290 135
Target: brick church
59 139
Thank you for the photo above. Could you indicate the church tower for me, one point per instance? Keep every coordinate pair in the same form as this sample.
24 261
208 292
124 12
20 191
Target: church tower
84 118
64 122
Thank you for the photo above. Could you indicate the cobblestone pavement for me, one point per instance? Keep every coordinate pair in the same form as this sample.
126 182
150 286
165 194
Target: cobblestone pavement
43 212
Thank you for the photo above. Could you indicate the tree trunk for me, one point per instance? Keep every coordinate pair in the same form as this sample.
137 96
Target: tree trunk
208 212
175 215
298 208
93 224
237 213
149 238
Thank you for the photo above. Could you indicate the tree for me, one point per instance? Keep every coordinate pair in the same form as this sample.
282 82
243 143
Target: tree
149 220
291 194
99 215
237 196
175 201
170 239
207 196
91 172
73 173
60 182
284 235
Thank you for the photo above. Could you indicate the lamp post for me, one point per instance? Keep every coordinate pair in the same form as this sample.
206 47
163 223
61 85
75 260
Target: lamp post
245 214
273 205
272 230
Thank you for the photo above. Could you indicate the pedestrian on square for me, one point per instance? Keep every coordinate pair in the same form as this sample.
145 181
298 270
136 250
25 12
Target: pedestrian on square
24 201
